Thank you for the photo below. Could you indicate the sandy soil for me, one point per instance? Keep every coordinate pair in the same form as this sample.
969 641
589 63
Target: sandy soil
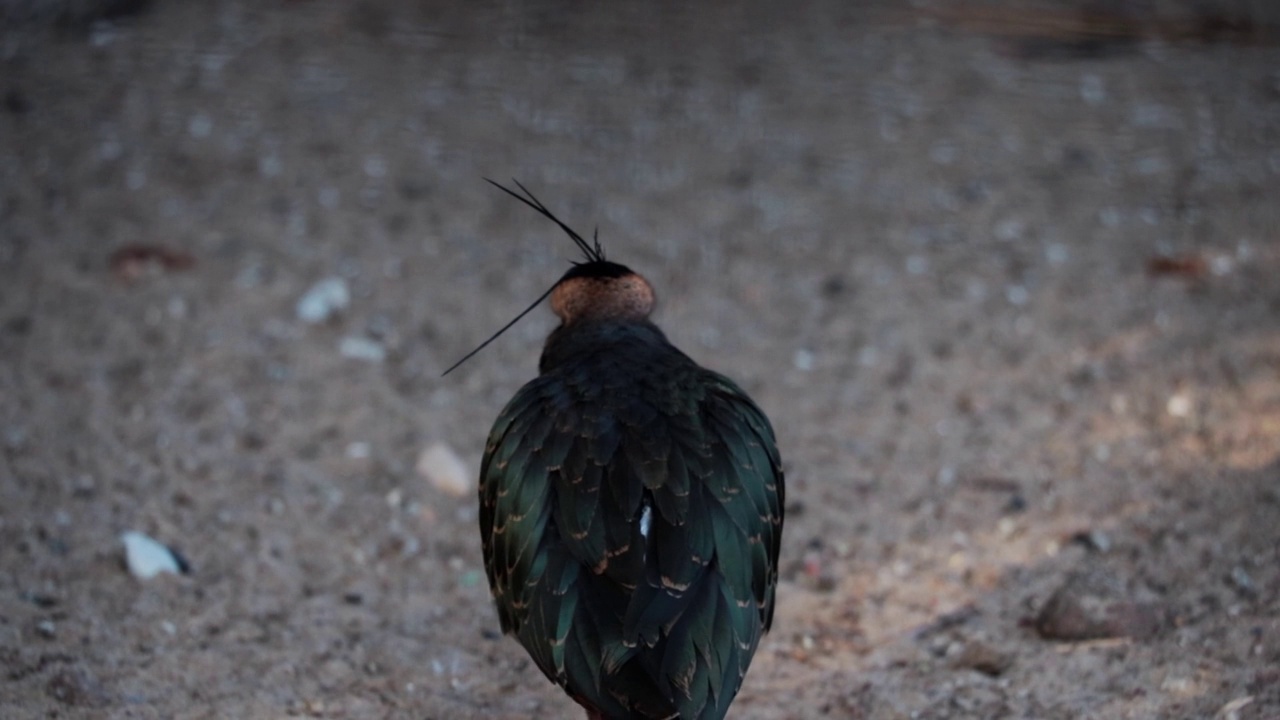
1008 292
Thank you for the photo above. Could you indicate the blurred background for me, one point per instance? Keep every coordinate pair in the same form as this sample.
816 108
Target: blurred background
1003 274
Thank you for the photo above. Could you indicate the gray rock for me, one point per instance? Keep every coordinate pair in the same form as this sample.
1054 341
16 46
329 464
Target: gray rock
1094 604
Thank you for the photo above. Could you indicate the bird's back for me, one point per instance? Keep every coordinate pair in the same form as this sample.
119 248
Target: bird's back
631 514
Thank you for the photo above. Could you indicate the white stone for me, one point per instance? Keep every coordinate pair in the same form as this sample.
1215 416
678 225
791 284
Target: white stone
358 348
442 467
1179 406
147 557
325 299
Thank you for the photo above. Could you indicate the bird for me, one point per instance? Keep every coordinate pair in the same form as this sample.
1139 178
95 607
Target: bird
631 507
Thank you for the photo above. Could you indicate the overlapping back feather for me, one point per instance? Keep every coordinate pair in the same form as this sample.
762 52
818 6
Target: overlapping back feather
631 507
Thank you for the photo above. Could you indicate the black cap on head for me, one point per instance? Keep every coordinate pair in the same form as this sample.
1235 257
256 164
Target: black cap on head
599 269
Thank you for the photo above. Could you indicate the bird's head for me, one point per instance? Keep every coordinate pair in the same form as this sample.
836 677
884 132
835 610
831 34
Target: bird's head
593 289
601 290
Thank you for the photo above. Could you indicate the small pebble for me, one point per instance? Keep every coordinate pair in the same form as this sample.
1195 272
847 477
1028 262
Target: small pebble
1150 165
1006 527
1056 253
1178 685
375 166
147 557
1092 90
1016 504
250 276
76 687
1010 229
1179 406
1095 540
978 656
358 348
102 34
946 476
200 125
442 467
1231 711
15 438
270 166
329 197
1119 404
1242 582
135 178
110 149
46 628
324 300
943 153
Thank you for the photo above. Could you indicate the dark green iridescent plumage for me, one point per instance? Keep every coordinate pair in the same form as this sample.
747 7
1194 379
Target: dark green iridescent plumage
620 421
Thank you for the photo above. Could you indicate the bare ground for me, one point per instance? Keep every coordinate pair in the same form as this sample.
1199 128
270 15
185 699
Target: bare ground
1009 288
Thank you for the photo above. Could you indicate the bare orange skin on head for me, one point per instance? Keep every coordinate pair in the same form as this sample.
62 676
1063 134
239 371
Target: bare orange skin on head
629 297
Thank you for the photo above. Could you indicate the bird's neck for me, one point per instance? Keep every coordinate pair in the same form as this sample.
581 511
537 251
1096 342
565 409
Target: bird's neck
592 338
